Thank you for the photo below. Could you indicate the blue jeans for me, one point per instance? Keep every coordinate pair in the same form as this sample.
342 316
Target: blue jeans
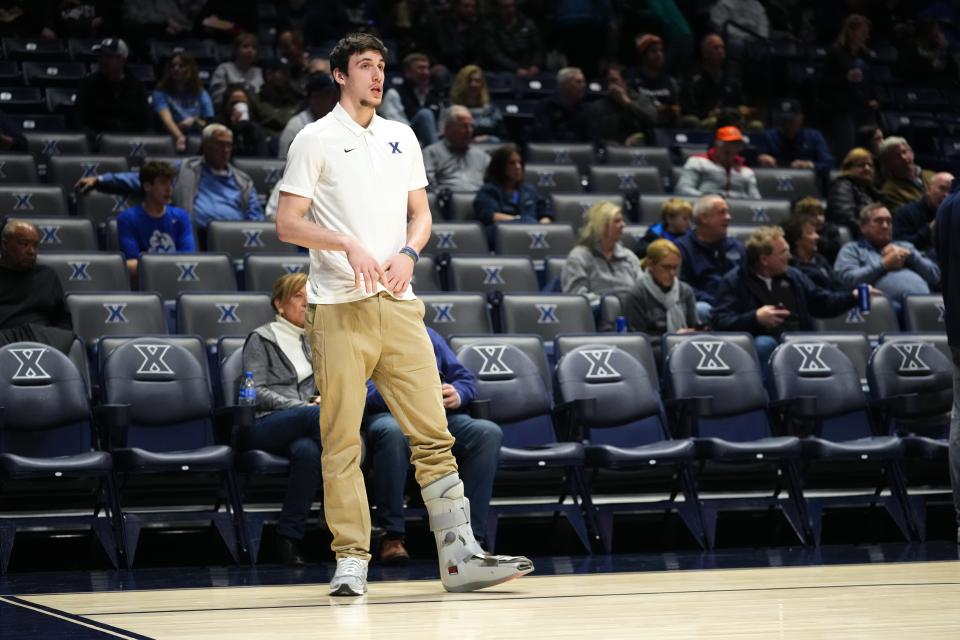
294 434
764 346
477 450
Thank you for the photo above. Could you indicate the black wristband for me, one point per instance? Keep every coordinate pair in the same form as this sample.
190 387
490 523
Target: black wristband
411 253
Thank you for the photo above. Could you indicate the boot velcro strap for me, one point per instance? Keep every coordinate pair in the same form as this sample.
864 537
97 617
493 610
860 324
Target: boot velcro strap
452 515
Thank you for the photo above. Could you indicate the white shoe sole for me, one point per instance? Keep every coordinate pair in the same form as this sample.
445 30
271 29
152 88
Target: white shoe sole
346 590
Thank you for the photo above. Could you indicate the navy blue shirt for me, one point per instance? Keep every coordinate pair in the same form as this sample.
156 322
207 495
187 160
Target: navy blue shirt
946 241
526 202
139 232
808 145
705 264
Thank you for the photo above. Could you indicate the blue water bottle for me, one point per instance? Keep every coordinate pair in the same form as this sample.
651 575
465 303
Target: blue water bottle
248 391
621 324
863 297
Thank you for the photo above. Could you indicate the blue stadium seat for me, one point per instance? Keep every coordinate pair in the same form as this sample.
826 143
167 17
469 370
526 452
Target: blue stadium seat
881 319
88 271
238 239
457 238
535 240
546 315
924 313
62 233
553 178
507 274
115 314
570 208
658 157
212 315
261 270
170 274
453 313
17 168
580 155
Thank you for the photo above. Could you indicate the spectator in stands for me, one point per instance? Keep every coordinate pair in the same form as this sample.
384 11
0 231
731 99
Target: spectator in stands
720 170
926 60
239 114
145 19
659 302
154 225
791 144
801 235
515 44
767 297
811 209
454 163
915 222
457 37
477 450
505 197
847 95
623 116
322 95
70 19
653 81
208 186
110 99
288 407
599 264
417 102
180 101
280 99
870 137
675 217
11 135
290 47
710 88
470 90
565 116
852 190
708 252
894 267
903 181
242 69
31 296
748 14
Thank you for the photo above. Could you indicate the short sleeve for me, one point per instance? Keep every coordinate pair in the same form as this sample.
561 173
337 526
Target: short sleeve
160 101
418 174
304 166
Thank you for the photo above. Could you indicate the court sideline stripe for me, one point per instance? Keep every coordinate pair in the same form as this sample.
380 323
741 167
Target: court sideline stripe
551 597
75 619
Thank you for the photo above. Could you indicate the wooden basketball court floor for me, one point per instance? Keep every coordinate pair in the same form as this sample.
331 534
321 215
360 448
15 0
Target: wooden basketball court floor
885 600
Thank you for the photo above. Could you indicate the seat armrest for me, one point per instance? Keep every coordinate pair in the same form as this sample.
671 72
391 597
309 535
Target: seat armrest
568 418
110 422
230 419
480 409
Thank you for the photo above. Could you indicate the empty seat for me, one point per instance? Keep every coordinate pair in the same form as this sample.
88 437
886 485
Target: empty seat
103 207
789 184
553 178
172 273
626 179
579 155
66 170
924 313
39 199
457 238
91 271
44 74
211 315
531 345
34 49
261 270
426 275
492 273
460 206
238 238
937 339
854 345
39 121
46 144
17 168
454 313
638 345
265 172
535 240
546 315
658 157
569 208
61 100
759 212
881 319
22 100
115 314
135 147
63 233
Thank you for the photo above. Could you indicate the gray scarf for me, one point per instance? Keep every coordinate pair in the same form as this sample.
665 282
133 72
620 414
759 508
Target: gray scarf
669 300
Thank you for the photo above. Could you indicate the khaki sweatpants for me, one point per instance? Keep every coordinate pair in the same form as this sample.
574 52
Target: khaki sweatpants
381 338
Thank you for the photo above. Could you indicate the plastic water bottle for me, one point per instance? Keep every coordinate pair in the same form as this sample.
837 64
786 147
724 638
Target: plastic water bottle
248 391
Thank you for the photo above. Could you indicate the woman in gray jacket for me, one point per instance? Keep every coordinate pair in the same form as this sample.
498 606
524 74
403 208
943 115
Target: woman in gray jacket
288 408
659 302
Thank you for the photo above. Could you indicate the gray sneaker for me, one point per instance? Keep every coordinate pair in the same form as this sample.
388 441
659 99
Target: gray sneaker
350 578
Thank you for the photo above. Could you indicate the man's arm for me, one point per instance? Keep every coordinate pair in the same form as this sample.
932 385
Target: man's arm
849 270
254 210
924 266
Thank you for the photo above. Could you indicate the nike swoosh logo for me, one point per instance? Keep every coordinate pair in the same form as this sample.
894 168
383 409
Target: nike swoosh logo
348 150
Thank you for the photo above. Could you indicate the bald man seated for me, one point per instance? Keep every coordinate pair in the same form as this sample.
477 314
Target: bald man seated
914 222
31 297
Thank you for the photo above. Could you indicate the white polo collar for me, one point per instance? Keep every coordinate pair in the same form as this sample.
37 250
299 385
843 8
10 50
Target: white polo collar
352 125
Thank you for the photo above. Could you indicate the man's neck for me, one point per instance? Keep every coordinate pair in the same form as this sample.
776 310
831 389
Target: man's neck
154 208
359 113
708 238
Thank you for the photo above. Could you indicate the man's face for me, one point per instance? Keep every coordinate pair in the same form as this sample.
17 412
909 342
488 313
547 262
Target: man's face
791 125
459 131
111 65
778 260
218 149
653 57
289 47
713 50
418 72
808 238
714 221
278 77
938 188
19 250
615 79
728 151
364 83
878 230
574 88
899 161
467 10
159 191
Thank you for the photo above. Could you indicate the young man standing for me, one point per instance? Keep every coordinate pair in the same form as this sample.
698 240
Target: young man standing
354 194
154 225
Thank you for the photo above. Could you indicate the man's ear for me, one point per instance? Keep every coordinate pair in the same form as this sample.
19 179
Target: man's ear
339 78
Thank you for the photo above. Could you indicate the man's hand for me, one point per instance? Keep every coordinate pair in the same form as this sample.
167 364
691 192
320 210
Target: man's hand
894 257
771 317
766 160
397 272
451 399
364 266
801 164
85 185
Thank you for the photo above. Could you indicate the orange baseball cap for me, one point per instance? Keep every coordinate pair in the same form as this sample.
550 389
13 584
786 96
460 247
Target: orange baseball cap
729 134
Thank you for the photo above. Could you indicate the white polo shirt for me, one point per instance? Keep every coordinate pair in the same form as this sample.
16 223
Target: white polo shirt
358 180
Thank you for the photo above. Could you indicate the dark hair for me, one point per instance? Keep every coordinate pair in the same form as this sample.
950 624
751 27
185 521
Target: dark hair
153 170
244 38
224 111
793 228
193 74
497 169
351 44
